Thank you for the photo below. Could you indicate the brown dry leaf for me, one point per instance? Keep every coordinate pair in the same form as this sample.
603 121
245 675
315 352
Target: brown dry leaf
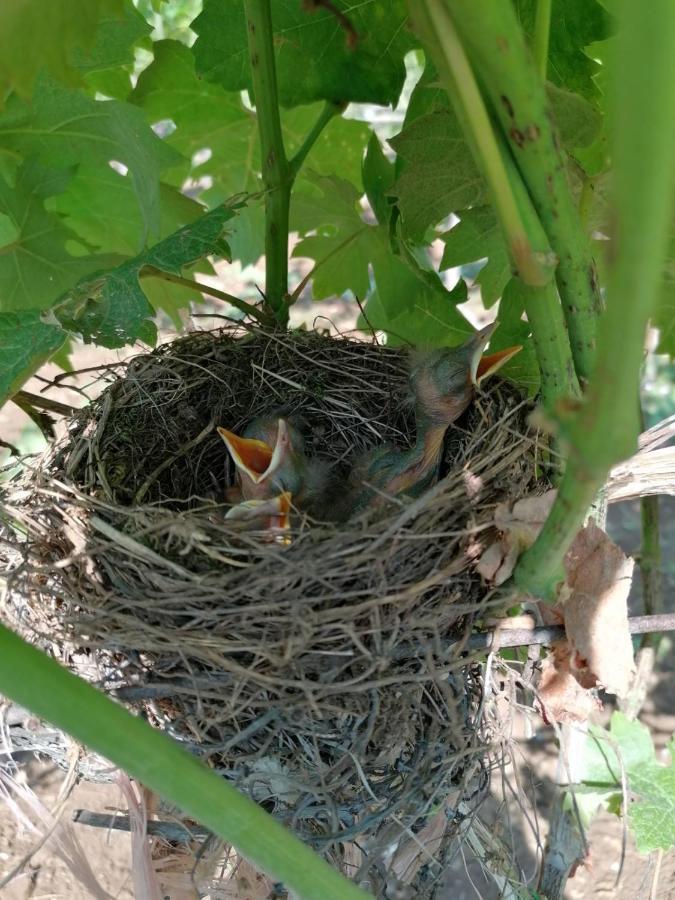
595 608
560 697
519 527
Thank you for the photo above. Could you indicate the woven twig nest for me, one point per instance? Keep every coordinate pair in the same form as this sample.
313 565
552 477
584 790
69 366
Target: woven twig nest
326 677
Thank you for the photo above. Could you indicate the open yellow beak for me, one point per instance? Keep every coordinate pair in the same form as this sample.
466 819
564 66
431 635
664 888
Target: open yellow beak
254 457
273 515
485 364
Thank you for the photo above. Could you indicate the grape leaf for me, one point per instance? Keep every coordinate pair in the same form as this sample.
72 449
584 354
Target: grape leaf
313 59
414 309
651 786
440 175
409 303
511 331
107 65
575 25
112 309
25 343
343 245
101 207
476 236
378 178
62 126
208 118
36 267
37 34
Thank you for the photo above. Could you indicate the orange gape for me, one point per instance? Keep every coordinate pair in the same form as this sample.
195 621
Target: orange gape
253 454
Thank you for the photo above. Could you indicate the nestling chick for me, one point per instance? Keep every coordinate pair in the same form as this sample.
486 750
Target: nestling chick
270 459
444 382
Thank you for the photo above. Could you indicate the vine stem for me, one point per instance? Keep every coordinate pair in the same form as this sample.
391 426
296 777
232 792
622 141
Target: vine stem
604 430
542 28
459 81
276 171
528 245
496 45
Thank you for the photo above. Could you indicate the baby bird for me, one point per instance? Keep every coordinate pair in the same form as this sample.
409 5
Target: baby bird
271 517
444 382
270 459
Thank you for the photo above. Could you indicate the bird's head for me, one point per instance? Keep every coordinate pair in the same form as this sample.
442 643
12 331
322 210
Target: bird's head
269 464
445 380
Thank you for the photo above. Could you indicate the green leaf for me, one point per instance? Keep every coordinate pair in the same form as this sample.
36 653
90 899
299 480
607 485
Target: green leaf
440 175
25 344
313 59
36 267
343 246
208 118
412 310
378 177
63 127
475 237
575 25
523 369
100 206
629 750
578 122
108 64
112 309
36 34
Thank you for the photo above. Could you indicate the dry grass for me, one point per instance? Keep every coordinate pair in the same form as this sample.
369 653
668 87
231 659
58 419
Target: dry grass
325 678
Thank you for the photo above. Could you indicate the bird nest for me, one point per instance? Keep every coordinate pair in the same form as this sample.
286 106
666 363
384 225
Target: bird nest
325 677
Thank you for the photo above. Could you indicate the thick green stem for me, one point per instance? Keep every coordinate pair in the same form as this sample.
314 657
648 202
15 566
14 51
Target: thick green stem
542 27
37 682
276 172
534 265
496 45
528 245
605 429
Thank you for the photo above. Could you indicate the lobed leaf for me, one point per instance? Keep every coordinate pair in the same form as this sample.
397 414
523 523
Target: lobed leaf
62 127
314 59
37 34
112 309
26 342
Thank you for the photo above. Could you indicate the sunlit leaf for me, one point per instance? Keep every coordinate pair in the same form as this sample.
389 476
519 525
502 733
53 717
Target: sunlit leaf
314 60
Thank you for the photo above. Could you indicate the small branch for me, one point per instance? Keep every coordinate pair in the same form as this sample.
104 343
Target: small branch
650 557
326 115
547 634
151 272
40 402
276 173
174 832
496 45
528 245
540 39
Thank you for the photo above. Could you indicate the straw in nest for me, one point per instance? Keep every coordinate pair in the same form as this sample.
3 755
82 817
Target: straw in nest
323 678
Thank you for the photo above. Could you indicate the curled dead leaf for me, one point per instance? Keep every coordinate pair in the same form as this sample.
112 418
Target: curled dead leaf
560 697
519 526
595 609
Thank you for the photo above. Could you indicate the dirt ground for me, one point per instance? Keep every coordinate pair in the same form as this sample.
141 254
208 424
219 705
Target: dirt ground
46 875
